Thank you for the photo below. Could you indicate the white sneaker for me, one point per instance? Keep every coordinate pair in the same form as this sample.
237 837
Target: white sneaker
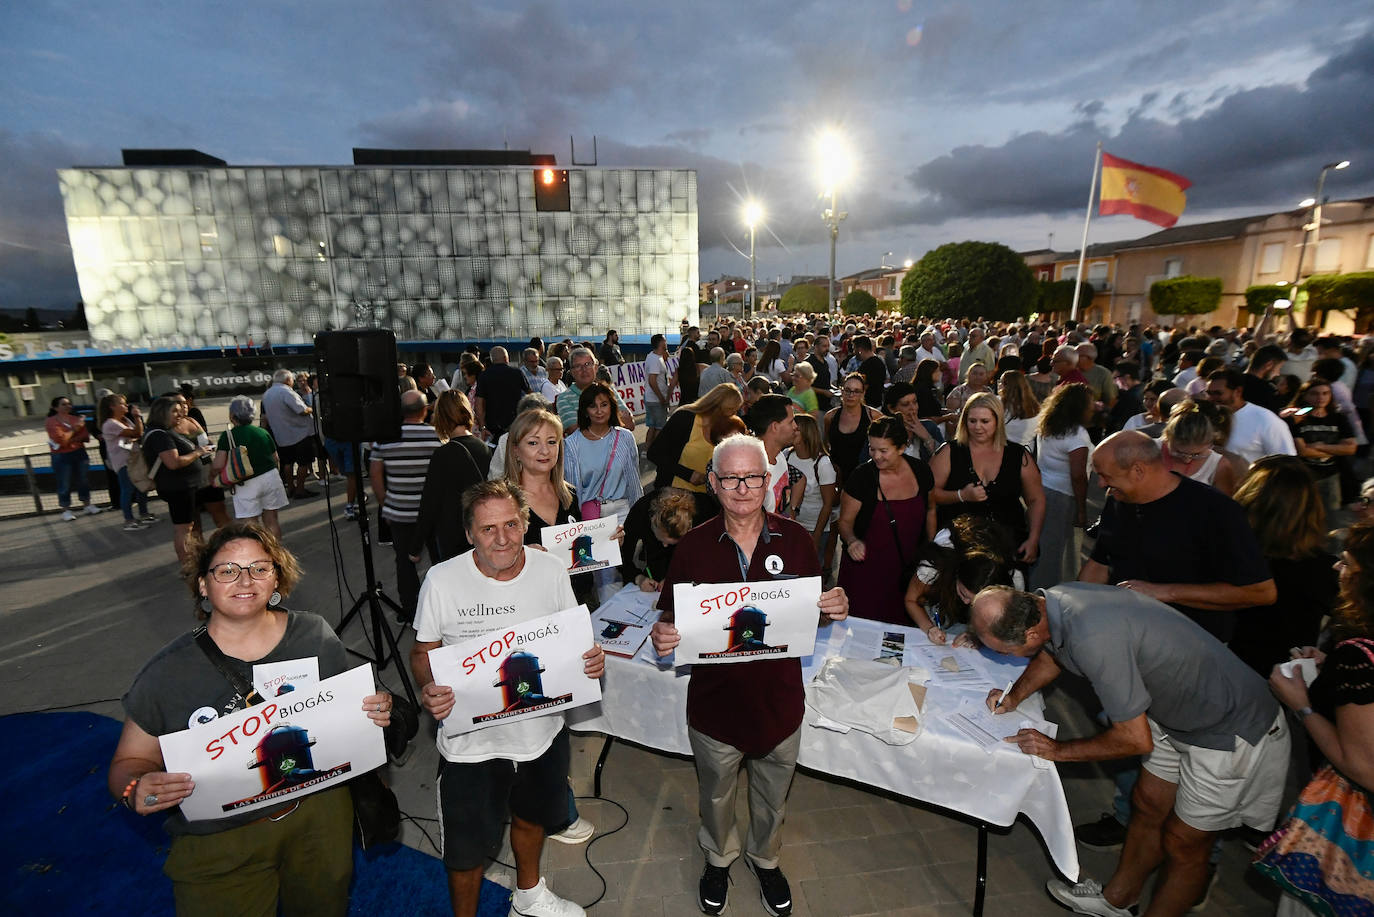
1085 898
576 833
540 901
93 510
68 516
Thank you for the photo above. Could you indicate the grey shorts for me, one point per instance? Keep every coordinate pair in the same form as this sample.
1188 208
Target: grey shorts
655 415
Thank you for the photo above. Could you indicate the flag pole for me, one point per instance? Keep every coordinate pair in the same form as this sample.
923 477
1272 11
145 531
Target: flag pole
1083 247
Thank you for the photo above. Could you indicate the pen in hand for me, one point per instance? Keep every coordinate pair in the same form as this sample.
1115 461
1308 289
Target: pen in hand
1005 692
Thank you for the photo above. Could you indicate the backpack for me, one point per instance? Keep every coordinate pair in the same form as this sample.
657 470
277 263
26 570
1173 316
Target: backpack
140 475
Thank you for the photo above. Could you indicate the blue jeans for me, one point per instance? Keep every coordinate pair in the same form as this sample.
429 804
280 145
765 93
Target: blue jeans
69 467
128 493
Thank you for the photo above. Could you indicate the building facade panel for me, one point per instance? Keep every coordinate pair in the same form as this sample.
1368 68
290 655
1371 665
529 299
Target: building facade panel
208 257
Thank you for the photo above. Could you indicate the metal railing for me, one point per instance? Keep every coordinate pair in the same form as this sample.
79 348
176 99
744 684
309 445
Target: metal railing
28 486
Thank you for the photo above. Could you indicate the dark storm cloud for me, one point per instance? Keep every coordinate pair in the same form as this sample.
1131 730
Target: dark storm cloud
1257 148
35 253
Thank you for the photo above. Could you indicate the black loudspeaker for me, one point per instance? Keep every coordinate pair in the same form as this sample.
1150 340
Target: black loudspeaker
359 398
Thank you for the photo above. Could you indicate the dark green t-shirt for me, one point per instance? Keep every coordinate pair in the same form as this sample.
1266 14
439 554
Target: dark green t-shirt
261 448
181 683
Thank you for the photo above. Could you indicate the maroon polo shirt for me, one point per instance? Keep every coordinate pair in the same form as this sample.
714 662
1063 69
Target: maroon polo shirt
750 705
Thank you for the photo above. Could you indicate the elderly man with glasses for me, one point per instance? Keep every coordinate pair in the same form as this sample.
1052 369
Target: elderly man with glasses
582 363
747 713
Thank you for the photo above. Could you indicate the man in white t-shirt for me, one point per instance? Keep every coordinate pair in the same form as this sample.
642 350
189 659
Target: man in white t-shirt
1255 432
770 419
520 768
929 350
553 386
657 397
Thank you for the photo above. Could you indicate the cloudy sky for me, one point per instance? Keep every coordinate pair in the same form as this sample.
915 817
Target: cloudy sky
967 120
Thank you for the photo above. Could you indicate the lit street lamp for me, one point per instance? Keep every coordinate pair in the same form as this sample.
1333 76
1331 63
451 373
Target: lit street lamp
1313 228
753 213
833 157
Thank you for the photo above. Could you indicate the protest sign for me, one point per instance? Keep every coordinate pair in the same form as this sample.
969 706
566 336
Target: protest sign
630 379
528 669
584 546
622 625
273 679
288 746
742 622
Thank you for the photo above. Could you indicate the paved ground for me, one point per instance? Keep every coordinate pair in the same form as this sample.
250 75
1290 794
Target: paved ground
85 604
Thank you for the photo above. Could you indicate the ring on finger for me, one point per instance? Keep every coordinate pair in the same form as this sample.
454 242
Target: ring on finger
150 799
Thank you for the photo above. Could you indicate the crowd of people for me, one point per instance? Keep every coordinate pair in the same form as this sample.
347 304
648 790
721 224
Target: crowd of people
942 475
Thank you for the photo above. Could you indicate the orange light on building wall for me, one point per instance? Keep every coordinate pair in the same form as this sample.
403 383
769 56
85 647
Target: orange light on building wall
547 176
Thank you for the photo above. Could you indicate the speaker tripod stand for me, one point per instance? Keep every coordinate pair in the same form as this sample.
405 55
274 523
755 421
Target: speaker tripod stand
372 598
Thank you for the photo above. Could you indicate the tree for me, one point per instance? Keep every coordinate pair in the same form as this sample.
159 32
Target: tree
804 297
1057 295
859 302
1260 297
1185 295
968 280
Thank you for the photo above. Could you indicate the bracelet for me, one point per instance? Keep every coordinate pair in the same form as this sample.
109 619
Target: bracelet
1304 713
127 797
960 492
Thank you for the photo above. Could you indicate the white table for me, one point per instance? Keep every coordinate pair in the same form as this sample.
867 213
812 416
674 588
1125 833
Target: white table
645 702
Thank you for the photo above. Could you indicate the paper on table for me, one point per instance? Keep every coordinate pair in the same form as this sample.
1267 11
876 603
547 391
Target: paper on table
988 730
966 674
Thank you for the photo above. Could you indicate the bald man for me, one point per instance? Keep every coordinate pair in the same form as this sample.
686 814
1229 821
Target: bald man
1173 539
499 389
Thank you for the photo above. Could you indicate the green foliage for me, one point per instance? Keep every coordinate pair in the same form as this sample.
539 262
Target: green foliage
1185 295
804 297
968 280
1342 292
1260 297
1057 296
859 302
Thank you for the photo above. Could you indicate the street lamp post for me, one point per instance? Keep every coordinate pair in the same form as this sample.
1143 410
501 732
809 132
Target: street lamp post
1312 229
834 168
752 214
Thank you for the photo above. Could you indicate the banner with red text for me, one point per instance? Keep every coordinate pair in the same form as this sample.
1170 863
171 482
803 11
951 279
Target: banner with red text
532 668
583 546
288 746
744 622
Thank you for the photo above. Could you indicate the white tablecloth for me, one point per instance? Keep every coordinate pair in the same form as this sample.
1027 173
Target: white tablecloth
645 702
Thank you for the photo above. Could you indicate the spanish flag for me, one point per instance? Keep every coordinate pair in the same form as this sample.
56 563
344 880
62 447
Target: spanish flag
1144 192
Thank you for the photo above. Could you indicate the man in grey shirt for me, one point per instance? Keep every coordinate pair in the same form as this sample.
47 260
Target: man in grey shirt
293 428
1214 739
716 373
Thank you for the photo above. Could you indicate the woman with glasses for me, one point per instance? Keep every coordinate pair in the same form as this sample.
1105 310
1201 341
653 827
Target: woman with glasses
846 426
298 854
122 427
67 438
1189 447
883 524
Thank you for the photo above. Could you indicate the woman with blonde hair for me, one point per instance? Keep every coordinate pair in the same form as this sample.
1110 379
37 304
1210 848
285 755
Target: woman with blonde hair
983 474
684 445
802 393
463 460
819 501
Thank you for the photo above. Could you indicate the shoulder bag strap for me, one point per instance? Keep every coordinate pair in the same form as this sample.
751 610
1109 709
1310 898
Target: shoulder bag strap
892 521
245 691
615 441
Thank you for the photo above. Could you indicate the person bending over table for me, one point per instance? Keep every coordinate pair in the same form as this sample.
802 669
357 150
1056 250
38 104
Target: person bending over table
746 713
654 526
1215 741
516 770
298 854
966 558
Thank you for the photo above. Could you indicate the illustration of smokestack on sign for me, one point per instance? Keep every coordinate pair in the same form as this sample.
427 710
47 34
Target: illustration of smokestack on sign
582 551
519 681
746 630
283 757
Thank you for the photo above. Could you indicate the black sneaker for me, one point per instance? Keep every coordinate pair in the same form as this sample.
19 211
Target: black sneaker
714 889
1104 834
774 891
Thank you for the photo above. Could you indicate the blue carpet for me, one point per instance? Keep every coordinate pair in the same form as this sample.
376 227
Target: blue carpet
69 849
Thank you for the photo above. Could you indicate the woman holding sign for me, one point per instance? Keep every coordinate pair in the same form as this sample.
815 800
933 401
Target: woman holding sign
298 853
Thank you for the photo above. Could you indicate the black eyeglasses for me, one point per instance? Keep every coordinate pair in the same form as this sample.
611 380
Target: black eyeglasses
229 572
733 481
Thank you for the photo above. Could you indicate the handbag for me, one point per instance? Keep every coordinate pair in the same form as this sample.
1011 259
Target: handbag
237 468
1321 855
376 813
591 509
141 475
